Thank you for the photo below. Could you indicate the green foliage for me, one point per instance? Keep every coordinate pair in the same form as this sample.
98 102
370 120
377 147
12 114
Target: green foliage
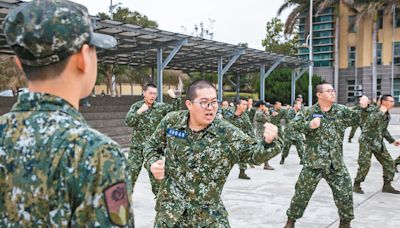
276 41
278 86
124 14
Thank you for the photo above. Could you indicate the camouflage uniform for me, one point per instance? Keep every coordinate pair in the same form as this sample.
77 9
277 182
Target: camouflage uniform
251 113
292 138
276 120
323 158
354 126
55 170
373 131
242 122
143 126
260 118
197 165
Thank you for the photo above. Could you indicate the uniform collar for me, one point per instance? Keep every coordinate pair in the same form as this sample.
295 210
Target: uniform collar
183 124
33 101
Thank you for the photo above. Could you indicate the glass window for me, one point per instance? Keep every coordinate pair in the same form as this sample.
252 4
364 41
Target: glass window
323 26
396 89
325 63
379 53
352 25
323 34
378 87
380 19
350 91
397 53
397 17
352 56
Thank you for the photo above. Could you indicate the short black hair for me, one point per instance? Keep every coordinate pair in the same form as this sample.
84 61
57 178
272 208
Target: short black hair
320 87
276 102
191 92
147 86
384 97
34 73
239 100
259 103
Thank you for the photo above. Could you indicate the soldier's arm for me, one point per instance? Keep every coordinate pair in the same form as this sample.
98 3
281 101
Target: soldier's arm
388 136
301 122
102 187
246 149
132 116
153 149
175 106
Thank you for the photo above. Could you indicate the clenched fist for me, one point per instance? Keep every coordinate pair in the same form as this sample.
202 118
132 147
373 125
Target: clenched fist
143 108
171 93
383 109
270 132
158 169
315 123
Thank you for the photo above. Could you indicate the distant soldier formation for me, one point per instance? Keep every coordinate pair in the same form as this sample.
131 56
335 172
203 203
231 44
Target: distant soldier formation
55 170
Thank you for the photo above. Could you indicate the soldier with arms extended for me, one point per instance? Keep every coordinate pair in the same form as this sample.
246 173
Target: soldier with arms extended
238 116
54 169
143 117
291 136
373 131
324 125
200 150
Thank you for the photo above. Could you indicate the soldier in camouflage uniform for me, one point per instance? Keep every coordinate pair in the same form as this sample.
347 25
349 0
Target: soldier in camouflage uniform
56 171
373 131
199 152
354 127
238 116
276 115
251 111
143 117
324 125
291 136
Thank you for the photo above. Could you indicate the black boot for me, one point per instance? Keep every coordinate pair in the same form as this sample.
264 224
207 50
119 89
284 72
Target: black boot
357 188
387 187
349 140
290 223
282 161
344 224
267 166
242 175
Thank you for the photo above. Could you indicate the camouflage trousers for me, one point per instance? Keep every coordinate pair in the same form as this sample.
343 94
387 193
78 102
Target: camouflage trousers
185 221
299 147
352 132
364 162
397 161
338 180
135 160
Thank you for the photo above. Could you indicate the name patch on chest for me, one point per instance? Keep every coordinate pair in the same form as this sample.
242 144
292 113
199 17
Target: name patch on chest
318 115
176 133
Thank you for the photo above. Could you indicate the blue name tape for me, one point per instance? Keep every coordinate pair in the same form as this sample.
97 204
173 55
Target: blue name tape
176 133
317 115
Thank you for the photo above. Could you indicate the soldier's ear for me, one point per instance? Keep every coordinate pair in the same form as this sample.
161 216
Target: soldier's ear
18 62
188 104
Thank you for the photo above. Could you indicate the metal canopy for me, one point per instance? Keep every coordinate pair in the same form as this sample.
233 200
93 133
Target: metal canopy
137 46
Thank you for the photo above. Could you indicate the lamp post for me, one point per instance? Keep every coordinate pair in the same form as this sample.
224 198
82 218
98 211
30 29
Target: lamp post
310 50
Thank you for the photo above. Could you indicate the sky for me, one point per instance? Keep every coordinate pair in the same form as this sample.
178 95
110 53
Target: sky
235 21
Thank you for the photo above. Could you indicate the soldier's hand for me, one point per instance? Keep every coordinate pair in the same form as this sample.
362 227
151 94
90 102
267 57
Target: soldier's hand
363 101
270 132
397 142
143 108
171 93
274 113
383 109
158 169
315 123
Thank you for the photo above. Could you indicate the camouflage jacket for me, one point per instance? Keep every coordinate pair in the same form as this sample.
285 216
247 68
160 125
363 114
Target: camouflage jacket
291 134
242 122
260 118
276 120
324 145
57 171
197 165
374 128
145 123
251 113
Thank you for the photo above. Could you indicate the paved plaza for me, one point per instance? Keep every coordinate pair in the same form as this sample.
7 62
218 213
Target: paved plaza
263 200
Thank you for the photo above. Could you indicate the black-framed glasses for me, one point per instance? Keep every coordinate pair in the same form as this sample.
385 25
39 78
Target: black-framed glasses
330 91
206 104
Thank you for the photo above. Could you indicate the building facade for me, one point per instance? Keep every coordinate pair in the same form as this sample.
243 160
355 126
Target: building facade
355 52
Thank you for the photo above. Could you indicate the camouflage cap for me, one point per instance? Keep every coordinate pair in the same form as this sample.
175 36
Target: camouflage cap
42 32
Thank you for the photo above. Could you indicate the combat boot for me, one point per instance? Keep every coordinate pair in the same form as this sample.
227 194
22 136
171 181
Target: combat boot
349 140
387 187
344 224
267 166
282 161
242 175
357 188
290 223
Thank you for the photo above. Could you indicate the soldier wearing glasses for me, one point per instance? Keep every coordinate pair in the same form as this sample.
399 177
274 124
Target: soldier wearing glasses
373 131
199 151
324 125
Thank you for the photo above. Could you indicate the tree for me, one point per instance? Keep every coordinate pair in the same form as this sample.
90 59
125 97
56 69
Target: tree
275 41
124 14
201 30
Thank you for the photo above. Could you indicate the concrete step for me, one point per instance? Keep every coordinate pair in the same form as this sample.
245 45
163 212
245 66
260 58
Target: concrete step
108 123
106 108
115 131
104 115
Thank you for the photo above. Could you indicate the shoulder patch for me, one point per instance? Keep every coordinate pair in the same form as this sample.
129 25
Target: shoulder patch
117 203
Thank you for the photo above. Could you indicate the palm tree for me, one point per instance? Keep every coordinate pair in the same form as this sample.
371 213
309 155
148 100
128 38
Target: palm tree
370 9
